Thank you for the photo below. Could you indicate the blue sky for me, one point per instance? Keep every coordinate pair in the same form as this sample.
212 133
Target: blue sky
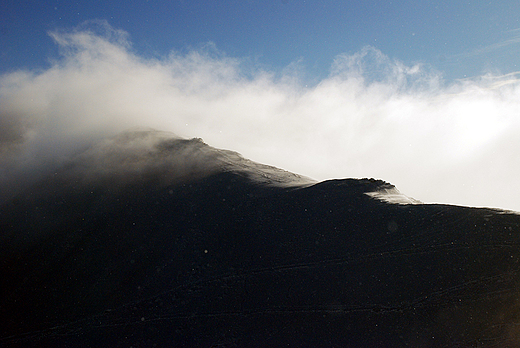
425 95
459 38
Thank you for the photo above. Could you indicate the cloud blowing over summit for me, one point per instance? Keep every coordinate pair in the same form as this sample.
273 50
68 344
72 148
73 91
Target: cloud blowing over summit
373 116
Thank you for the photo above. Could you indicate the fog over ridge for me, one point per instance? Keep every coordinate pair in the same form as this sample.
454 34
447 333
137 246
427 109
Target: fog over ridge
372 117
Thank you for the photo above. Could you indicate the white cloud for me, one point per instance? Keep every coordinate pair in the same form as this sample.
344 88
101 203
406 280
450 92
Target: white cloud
372 117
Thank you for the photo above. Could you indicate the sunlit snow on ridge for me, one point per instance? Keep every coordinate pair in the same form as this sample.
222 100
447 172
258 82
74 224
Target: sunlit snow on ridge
392 195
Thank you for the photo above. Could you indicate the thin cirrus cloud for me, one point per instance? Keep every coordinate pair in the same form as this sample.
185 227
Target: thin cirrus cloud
371 117
512 42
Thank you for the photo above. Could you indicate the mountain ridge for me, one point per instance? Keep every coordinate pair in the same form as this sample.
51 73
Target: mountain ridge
149 241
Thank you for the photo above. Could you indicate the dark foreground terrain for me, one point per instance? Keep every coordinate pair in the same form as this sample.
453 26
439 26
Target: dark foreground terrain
153 241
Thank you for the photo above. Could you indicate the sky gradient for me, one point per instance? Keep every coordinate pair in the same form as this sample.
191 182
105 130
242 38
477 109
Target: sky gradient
458 38
424 95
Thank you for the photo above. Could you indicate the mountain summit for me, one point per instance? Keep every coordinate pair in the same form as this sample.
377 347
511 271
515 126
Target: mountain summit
146 153
150 240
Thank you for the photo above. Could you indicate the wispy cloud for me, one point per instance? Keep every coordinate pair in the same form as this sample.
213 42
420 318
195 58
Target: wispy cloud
372 117
513 39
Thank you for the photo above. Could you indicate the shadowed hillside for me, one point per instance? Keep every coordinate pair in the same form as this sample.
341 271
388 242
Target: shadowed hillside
150 240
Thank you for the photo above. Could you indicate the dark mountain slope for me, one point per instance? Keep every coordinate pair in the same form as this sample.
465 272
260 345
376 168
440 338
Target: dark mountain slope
149 240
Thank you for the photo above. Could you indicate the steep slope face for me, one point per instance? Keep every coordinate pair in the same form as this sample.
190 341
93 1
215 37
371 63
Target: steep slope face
149 240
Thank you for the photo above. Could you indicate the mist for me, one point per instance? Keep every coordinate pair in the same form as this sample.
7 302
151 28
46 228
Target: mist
373 116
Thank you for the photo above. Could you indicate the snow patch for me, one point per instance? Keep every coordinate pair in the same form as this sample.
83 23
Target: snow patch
392 195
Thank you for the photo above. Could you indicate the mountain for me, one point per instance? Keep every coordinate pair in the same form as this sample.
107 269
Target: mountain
150 240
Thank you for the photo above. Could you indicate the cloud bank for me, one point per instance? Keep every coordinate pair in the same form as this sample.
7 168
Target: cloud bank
371 117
